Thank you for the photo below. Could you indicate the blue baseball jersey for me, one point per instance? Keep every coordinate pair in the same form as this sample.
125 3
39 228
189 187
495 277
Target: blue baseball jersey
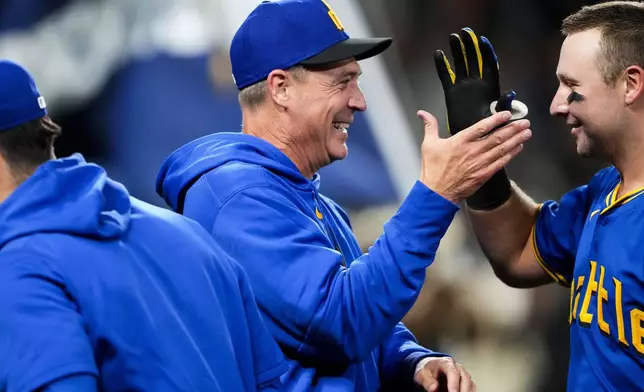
592 242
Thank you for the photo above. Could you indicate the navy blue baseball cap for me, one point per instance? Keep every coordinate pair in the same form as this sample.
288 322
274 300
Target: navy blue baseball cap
20 100
284 33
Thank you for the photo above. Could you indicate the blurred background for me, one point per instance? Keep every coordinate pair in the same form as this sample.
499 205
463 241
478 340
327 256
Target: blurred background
132 80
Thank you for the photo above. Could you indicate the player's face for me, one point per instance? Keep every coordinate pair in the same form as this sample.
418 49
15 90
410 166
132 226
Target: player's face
591 107
326 102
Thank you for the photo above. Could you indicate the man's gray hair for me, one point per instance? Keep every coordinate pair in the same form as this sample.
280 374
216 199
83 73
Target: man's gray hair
254 95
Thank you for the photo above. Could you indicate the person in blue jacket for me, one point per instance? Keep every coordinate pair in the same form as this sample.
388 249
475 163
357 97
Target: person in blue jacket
102 292
334 311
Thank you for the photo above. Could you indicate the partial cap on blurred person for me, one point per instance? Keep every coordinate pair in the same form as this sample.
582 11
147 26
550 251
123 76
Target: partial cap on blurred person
284 33
20 100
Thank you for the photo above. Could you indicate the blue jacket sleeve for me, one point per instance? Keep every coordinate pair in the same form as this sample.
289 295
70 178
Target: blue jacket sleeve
269 361
78 383
399 356
42 337
315 307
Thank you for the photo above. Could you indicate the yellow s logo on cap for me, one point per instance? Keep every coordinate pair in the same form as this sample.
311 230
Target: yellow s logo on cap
333 16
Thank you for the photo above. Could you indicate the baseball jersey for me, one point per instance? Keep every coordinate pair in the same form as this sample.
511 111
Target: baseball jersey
593 242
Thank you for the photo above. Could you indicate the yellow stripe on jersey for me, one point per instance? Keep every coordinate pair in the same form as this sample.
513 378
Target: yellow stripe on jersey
613 202
609 197
637 193
535 249
613 198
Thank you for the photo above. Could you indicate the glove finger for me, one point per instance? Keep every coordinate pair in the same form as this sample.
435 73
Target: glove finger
445 73
490 62
472 52
458 54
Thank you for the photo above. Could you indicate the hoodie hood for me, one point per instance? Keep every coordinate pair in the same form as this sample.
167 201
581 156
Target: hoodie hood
184 166
69 196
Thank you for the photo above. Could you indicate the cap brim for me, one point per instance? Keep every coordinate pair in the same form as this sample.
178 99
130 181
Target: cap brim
356 48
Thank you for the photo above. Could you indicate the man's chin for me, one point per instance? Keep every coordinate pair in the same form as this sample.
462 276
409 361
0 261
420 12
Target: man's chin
584 149
584 153
339 154
591 153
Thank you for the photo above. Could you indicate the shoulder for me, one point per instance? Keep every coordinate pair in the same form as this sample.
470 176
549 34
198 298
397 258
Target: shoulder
607 176
174 235
604 181
18 266
162 221
234 177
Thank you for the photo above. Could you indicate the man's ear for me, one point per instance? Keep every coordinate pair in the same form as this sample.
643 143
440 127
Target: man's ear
278 83
634 84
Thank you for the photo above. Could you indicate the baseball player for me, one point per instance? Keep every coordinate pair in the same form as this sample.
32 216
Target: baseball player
591 239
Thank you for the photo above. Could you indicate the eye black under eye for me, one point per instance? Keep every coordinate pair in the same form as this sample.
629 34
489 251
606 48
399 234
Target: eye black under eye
575 97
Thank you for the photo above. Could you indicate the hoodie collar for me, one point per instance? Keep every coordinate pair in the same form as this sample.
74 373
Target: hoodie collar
69 196
187 164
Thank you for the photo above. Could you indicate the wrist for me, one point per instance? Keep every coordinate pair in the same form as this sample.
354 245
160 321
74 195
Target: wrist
492 194
421 364
424 361
446 193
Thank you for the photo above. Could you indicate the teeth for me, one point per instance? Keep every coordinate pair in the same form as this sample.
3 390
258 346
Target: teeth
340 125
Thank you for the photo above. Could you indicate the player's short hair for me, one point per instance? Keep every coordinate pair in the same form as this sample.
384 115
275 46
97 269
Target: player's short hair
621 24
27 146
254 95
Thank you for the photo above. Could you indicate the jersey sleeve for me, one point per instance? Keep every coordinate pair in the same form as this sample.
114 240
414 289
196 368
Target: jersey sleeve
556 233
42 336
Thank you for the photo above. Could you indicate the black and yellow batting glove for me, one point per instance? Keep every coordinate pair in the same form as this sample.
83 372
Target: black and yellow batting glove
472 93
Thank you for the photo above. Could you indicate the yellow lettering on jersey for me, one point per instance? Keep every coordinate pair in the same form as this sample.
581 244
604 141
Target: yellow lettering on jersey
637 332
602 296
333 16
586 318
580 283
621 336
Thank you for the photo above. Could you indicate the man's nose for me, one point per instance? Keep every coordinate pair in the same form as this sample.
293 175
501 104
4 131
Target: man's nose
559 104
358 101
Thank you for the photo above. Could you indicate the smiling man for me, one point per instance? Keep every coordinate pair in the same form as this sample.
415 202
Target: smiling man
335 311
591 240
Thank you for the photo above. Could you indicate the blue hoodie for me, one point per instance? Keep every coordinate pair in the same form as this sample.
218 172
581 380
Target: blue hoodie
94 282
334 311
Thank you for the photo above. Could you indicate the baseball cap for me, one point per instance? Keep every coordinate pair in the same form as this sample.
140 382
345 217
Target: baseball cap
284 33
20 100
